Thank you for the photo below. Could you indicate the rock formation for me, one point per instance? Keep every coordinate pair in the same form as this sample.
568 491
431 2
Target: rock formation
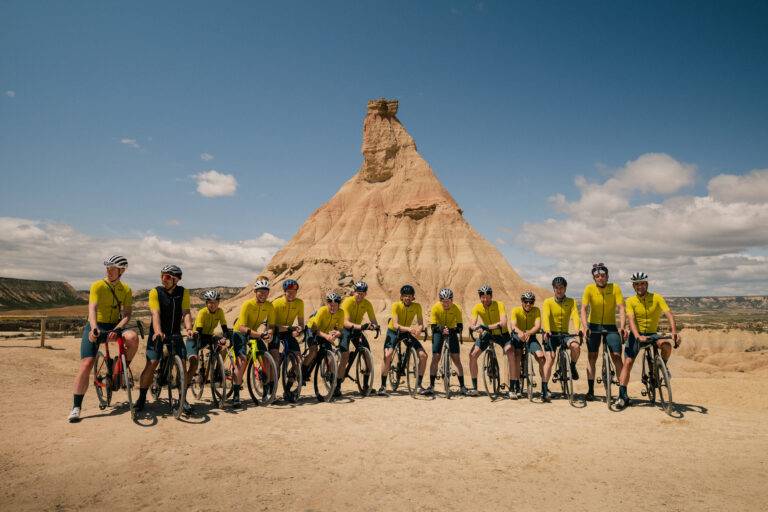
392 223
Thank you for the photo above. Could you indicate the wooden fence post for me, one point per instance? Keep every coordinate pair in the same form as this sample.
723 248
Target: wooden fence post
42 331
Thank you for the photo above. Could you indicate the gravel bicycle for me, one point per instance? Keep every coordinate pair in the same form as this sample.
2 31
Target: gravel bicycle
491 371
170 373
210 368
362 359
607 377
325 366
445 371
290 372
562 371
655 374
405 362
112 374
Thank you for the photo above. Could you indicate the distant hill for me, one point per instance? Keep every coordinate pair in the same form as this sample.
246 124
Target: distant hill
739 312
33 294
140 298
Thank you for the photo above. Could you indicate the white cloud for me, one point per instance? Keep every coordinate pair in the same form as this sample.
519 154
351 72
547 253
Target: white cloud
10 94
207 157
36 249
688 244
130 142
215 184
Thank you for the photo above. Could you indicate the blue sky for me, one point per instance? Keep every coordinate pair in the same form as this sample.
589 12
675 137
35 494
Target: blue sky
107 107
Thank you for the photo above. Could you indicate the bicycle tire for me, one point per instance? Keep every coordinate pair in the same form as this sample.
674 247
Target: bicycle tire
566 376
326 374
155 388
491 374
176 386
217 379
649 379
128 383
364 372
664 385
607 377
530 375
230 367
102 380
291 375
258 379
446 364
198 379
395 368
412 371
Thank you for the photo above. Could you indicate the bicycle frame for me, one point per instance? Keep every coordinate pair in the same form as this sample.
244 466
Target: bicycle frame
608 375
118 372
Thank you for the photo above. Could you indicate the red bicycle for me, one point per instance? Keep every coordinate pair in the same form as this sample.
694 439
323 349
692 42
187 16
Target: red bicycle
112 374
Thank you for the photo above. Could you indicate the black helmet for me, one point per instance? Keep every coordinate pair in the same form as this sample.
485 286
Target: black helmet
361 286
407 290
559 281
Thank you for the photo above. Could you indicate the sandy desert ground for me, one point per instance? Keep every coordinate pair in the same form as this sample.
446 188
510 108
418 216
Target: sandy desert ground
394 453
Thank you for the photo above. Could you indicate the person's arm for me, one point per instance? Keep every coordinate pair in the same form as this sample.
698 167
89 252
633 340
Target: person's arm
127 312
154 309
584 303
545 322
575 319
187 312
474 315
348 324
536 326
419 327
633 327
622 312
242 320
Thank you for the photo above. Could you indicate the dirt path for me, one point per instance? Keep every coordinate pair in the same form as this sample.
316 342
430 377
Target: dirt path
392 453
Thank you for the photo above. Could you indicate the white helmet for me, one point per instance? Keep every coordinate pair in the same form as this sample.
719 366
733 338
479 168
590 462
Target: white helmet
261 284
528 296
211 295
446 293
116 261
172 270
639 277
333 297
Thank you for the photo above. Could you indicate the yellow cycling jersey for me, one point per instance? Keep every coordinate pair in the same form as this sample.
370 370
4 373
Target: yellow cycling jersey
646 311
602 303
522 320
208 321
253 313
555 316
154 301
324 321
108 305
354 311
446 317
405 314
287 312
490 315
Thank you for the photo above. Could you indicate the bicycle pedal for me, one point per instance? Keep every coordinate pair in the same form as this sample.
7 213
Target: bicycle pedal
643 392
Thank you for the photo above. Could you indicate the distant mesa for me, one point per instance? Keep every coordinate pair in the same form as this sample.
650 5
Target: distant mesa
31 294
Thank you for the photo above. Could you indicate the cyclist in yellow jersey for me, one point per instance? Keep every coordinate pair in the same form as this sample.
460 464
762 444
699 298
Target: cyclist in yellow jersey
400 327
288 309
323 327
207 319
490 314
603 300
557 314
644 310
445 319
355 308
110 304
257 317
525 322
169 307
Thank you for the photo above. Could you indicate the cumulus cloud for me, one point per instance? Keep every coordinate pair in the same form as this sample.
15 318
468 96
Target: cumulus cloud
689 244
215 184
35 249
130 142
207 157
10 94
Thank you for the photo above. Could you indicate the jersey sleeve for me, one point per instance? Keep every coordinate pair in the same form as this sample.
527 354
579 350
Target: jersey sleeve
619 296
475 312
419 312
575 317
185 300
154 302
345 307
271 317
663 304
545 316
128 298
93 296
242 318
585 296
629 308
370 312
221 317
459 314
199 319
393 314
300 309
433 315
502 310
513 316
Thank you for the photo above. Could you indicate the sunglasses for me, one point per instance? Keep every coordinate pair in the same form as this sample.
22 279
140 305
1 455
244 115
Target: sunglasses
599 273
337 301
528 301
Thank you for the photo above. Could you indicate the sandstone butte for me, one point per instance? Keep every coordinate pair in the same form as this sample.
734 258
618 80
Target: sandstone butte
392 223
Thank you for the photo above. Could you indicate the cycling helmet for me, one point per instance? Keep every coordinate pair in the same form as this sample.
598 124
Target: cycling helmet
639 277
407 290
446 293
211 295
361 286
116 261
528 296
485 290
559 281
290 284
261 284
599 267
171 269
333 297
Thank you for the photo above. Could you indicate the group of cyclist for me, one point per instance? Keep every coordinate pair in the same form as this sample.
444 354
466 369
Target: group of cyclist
278 325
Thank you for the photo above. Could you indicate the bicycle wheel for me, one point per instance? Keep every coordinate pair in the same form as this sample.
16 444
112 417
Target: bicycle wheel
664 385
127 383
395 367
446 364
177 386
218 379
530 375
326 373
607 375
648 378
157 380
102 380
566 377
364 371
491 379
412 371
262 378
230 364
291 376
198 379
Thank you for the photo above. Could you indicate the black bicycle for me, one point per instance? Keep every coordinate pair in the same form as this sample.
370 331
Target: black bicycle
607 377
655 374
445 371
491 372
210 368
562 372
170 374
405 362
362 359
290 371
325 367
528 365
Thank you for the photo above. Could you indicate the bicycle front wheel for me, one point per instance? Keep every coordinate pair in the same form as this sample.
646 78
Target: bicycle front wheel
607 375
291 376
102 380
218 378
446 363
664 385
326 373
491 379
128 383
649 378
566 378
262 379
412 371
364 371
198 379
177 386
395 367
530 375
